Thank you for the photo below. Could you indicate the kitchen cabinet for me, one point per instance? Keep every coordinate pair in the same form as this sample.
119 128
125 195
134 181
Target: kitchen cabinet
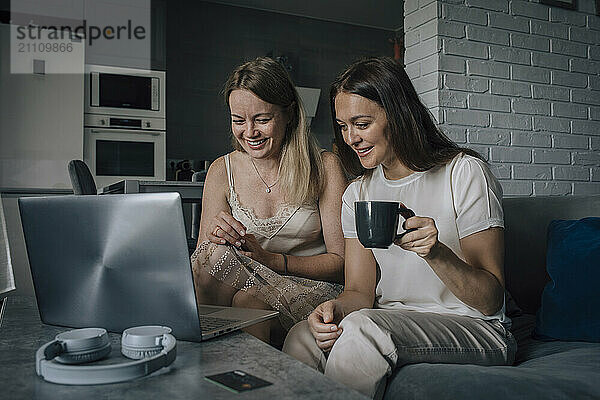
159 35
41 117
146 53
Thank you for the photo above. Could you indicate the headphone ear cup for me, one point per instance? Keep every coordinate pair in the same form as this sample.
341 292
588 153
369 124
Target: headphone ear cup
85 356
138 354
143 341
83 345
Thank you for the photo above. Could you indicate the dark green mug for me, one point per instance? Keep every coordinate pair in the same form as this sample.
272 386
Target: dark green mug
377 222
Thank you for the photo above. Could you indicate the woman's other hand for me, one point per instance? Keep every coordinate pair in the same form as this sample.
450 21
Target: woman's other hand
225 229
251 248
323 323
423 240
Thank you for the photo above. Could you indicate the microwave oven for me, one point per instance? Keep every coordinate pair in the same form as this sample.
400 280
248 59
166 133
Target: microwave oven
120 91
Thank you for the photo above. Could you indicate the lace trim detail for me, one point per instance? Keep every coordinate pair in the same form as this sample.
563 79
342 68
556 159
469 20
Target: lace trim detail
294 297
266 227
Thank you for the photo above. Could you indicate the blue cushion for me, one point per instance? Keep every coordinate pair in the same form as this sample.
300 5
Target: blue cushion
570 303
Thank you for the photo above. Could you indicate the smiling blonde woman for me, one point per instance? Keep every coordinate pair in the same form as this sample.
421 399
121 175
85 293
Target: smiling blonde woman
270 232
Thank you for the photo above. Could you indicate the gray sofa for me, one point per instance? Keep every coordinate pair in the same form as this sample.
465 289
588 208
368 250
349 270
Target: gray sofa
542 370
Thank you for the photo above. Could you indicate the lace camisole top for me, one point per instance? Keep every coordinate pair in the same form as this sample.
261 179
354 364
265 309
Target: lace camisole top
294 230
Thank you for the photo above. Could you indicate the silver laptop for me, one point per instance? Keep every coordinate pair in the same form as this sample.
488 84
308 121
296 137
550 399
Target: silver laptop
117 261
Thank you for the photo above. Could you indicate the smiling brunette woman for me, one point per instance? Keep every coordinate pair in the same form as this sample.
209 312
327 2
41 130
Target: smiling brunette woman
440 294
270 232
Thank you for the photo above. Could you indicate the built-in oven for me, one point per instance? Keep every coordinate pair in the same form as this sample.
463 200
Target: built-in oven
124 91
117 148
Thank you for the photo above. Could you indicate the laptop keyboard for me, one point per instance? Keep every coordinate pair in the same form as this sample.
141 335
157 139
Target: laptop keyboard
212 323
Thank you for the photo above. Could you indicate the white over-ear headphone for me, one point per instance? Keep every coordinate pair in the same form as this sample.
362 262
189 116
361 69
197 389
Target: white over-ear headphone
152 346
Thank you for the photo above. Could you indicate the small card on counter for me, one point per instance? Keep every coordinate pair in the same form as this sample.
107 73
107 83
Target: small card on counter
237 381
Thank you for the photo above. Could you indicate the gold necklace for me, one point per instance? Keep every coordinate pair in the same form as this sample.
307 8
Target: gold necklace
268 187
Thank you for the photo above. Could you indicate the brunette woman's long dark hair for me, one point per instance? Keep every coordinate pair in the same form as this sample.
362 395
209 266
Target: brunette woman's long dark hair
417 142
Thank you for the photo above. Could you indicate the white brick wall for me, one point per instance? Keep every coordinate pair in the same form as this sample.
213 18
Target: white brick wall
517 81
423 63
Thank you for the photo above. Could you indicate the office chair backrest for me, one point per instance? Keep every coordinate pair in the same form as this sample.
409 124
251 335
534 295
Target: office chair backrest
81 178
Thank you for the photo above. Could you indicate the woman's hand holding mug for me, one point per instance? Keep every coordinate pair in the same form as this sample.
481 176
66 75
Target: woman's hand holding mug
422 239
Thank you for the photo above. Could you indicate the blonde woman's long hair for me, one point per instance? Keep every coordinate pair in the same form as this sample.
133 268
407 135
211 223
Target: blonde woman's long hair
301 174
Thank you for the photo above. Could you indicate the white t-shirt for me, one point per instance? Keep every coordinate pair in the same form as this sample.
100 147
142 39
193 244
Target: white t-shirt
463 197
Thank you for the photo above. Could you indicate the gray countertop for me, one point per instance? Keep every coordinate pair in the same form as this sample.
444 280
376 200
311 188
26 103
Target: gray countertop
189 191
30 191
21 333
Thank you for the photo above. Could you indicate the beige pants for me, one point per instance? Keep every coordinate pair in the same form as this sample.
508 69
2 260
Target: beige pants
374 342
